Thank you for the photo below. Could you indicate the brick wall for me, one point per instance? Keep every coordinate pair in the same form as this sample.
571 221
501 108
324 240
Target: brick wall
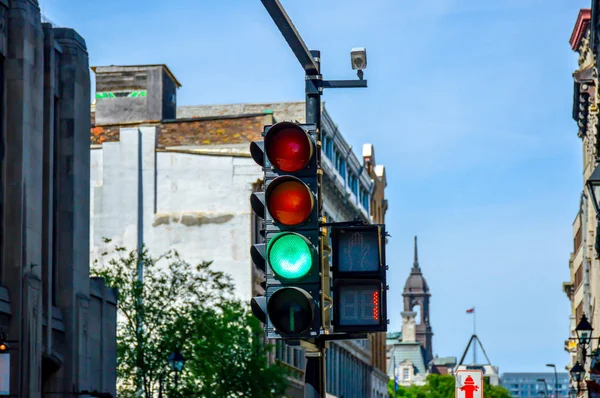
198 131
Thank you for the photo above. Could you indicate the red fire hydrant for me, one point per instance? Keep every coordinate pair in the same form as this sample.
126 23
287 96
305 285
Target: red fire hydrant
469 387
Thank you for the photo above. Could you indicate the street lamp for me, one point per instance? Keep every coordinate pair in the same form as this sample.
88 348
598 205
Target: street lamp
577 373
584 331
584 335
551 365
176 362
545 385
593 184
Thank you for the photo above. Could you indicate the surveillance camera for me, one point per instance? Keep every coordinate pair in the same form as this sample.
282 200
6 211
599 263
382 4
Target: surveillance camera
359 58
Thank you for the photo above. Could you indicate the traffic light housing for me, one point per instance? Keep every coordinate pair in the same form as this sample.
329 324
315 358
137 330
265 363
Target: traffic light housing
581 104
290 205
359 278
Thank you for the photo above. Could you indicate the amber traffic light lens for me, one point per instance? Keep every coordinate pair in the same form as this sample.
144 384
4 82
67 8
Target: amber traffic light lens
3 347
289 201
289 149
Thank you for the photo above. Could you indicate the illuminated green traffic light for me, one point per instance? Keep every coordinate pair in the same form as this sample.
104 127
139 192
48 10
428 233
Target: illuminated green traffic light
290 256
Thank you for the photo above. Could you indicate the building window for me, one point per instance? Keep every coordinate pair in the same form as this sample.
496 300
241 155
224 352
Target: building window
579 311
328 146
353 183
405 374
364 198
577 240
340 164
578 277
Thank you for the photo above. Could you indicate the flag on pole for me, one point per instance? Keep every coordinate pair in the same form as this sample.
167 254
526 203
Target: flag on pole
471 310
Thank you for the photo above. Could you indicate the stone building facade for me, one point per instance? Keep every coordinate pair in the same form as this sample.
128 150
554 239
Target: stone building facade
59 325
184 183
582 289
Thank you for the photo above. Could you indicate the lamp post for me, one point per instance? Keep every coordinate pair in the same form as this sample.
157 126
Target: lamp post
551 365
584 335
572 392
176 362
545 385
593 184
577 374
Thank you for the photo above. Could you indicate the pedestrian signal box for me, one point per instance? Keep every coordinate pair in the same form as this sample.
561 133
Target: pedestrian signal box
359 278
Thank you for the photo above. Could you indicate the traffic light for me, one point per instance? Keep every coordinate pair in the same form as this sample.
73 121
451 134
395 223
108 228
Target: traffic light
359 278
289 205
3 347
581 104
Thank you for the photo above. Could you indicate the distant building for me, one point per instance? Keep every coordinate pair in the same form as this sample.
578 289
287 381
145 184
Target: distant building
59 325
409 353
183 181
526 385
406 360
442 366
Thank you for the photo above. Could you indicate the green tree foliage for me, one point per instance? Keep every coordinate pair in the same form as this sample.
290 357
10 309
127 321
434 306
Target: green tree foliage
191 309
442 386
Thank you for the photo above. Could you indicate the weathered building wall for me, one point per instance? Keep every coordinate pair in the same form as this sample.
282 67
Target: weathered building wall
193 203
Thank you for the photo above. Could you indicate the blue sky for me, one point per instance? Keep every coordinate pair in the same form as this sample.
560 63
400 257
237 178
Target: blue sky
469 109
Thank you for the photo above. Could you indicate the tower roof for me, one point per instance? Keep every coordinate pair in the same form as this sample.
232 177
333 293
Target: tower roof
416 282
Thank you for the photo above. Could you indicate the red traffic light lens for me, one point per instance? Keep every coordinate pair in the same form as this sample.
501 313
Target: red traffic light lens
288 147
289 201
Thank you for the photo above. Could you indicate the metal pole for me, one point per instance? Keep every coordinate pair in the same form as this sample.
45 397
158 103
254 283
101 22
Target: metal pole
315 375
474 334
555 383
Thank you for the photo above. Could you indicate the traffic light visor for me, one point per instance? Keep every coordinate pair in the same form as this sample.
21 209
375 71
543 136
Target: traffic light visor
290 256
291 310
288 147
289 201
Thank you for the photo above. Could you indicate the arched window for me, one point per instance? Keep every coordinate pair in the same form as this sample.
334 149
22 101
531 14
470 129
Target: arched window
417 309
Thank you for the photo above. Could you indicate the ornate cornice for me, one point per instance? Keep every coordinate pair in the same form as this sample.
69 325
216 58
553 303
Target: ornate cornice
581 25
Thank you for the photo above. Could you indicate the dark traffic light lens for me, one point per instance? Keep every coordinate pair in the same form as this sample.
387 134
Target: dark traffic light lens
288 148
289 201
291 310
290 256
